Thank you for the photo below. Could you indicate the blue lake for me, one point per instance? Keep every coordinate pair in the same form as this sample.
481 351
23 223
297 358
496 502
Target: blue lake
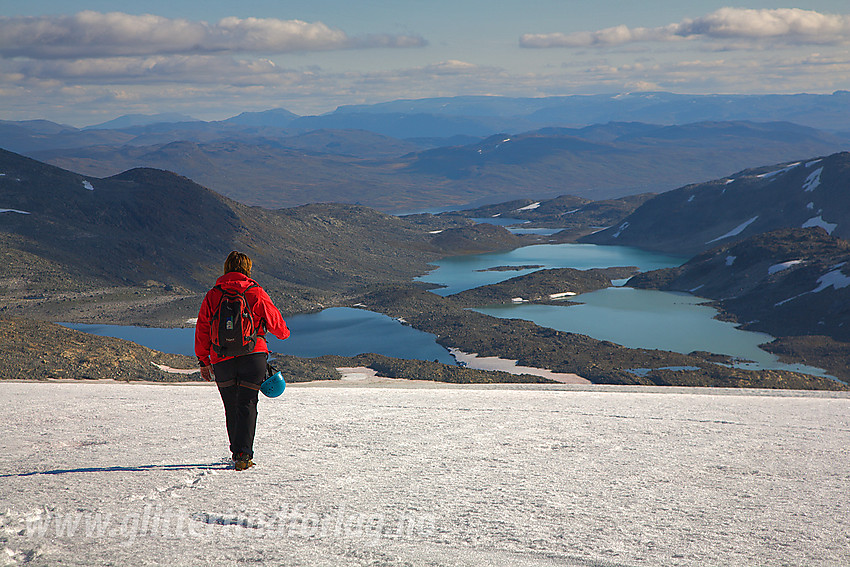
339 330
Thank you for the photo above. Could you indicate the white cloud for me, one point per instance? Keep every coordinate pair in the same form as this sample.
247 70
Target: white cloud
789 24
93 34
216 69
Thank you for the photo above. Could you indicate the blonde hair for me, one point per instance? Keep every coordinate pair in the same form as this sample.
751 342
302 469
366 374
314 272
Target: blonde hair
238 262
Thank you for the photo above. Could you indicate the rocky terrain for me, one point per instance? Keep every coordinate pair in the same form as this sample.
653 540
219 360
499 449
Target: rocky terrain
476 239
46 351
145 238
43 351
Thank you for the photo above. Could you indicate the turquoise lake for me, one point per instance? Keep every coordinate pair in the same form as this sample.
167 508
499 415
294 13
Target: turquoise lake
459 273
648 319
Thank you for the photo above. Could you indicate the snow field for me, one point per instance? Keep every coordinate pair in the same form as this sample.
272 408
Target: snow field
425 474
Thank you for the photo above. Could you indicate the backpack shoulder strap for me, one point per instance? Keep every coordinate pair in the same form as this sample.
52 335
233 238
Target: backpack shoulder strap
261 325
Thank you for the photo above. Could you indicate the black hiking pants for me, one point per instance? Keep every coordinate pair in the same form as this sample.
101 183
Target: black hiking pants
238 380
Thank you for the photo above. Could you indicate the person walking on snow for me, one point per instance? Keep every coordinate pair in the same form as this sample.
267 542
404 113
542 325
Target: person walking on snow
238 377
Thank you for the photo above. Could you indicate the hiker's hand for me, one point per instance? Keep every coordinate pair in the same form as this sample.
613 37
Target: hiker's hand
206 373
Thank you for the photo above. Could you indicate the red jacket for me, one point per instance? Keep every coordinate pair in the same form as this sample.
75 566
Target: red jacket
264 311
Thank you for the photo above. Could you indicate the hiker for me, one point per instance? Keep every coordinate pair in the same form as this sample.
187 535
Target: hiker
238 369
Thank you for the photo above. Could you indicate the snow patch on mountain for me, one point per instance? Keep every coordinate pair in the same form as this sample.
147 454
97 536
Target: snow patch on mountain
530 207
778 172
735 231
783 266
15 211
623 227
834 279
813 180
88 185
730 260
818 221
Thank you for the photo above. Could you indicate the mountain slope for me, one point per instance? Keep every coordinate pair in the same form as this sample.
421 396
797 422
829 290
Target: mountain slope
147 224
701 216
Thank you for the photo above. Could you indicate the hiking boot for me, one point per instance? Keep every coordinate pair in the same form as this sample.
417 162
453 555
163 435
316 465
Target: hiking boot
242 461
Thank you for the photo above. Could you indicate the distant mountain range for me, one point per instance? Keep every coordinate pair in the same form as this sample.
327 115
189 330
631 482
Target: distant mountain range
130 120
423 154
486 115
505 114
252 166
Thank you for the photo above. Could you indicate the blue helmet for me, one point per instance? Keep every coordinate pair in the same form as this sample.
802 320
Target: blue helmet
274 385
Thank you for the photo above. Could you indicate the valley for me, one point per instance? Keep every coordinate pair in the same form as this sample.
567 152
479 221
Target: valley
140 246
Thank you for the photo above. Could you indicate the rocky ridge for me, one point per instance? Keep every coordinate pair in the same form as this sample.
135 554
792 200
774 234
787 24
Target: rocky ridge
699 217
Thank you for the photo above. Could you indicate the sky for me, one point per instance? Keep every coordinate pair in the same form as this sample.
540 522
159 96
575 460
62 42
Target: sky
86 62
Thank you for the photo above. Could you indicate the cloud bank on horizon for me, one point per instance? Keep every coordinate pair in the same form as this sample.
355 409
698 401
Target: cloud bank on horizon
100 65
91 34
786 24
